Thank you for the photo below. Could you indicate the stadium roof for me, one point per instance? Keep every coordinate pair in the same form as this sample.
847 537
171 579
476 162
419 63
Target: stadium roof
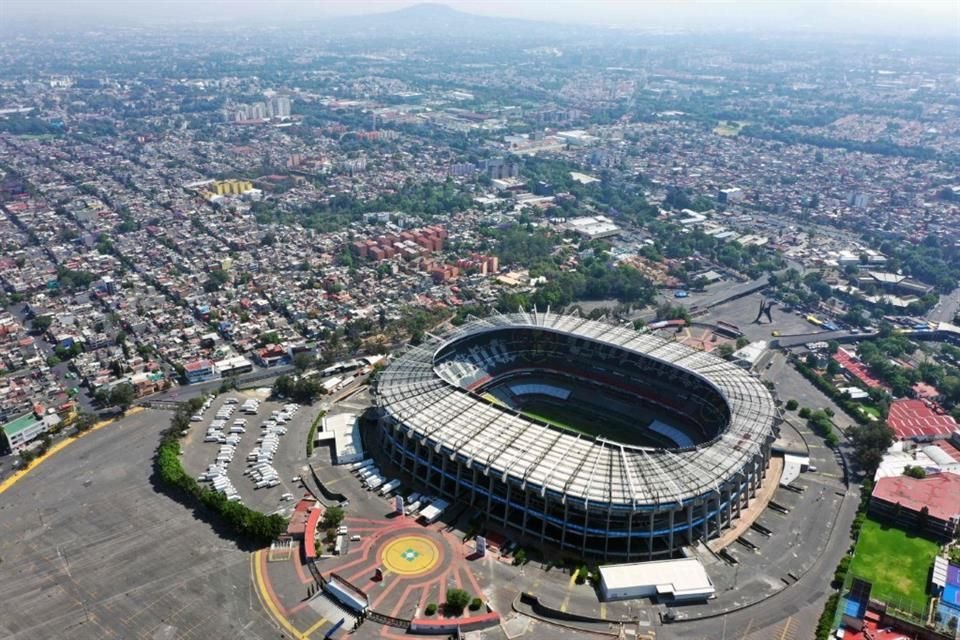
457 422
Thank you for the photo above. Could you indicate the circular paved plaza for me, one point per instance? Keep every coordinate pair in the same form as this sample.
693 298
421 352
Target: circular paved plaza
410 555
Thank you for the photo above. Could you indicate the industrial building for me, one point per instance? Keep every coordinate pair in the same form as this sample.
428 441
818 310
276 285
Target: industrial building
682 580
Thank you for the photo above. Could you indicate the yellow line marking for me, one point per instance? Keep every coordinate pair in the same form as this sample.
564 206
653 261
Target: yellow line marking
322 621
264 596
747 631
786 628
566 600
63 444
603 609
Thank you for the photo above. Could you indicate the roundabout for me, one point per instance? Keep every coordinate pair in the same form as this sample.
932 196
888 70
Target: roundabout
410 555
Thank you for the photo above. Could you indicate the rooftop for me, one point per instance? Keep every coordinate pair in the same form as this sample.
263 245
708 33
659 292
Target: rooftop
676 577
22 423
940 493
914 418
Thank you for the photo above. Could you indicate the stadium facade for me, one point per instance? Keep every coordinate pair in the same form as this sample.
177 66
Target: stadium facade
446 420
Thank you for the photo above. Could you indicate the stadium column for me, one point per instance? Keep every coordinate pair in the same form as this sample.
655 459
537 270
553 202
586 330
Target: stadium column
672 519
414 453
473 482
563 531
719 514
650 537
430 471
689 510
443 469
606 538
506 503
456 489
393 450
489 493
543 520
526 510
630 532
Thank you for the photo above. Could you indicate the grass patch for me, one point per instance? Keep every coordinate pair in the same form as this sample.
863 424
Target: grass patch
897 563
312 435
729 128
871 412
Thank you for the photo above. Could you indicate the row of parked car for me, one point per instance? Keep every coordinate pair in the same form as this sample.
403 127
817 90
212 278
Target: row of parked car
260 459
216 473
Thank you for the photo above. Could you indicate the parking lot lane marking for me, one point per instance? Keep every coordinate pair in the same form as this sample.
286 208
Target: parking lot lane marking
603 609
786 628
747 631
266 600
316 625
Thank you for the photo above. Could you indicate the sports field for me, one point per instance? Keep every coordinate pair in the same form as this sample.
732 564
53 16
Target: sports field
896 563
584 421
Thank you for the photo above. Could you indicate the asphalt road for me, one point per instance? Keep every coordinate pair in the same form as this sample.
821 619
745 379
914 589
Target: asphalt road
801 602
947 308
91 551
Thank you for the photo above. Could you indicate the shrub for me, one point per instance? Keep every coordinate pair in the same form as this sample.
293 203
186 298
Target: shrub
792 405
582 575
431 609
804 413
840 574
475 604
825 624
520 557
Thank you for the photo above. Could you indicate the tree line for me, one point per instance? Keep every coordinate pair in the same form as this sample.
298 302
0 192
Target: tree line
245 522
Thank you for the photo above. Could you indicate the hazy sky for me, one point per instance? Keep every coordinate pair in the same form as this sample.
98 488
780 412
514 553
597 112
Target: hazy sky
906 17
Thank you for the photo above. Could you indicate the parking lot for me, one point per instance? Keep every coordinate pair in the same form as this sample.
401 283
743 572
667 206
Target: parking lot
92 551
270 443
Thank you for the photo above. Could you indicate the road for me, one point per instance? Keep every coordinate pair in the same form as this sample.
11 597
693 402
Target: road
947 308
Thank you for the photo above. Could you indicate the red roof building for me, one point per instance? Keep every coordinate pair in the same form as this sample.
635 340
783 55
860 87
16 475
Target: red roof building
903 500
857 369
919 419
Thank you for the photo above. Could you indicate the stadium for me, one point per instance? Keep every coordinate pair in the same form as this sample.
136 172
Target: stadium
591 437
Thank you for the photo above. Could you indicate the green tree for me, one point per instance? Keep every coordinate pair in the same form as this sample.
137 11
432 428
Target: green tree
870 442
725 350
85 421
914 471
457 601
40 324
303 361
122 395
332 517
792 405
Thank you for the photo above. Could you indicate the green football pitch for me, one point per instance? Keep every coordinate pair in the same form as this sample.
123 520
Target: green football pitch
897 563
589 423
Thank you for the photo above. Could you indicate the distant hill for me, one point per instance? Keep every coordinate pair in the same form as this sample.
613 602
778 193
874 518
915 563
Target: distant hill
434 21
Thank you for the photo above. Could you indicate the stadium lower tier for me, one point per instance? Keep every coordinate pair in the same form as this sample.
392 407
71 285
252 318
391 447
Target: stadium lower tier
610 532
